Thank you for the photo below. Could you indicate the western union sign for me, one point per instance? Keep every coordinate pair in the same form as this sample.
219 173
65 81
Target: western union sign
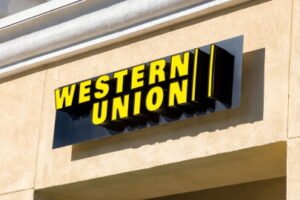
192 82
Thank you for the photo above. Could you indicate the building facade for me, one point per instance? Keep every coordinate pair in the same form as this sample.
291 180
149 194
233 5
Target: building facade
249 152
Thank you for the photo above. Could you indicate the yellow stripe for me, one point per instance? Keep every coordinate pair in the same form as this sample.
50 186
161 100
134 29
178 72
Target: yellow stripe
195 74
210 73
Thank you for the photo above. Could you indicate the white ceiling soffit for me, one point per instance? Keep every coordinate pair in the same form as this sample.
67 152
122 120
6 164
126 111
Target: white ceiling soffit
116 21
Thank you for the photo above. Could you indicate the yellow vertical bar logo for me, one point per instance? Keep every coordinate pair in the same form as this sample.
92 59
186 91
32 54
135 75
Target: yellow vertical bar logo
195 74
210 72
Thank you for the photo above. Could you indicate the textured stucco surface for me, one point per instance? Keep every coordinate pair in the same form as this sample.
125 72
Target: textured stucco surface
218 142
293 152
20 122
293 170
294 108
261 119
21 195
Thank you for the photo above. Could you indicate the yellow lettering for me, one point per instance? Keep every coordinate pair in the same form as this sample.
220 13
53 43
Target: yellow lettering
96 119
136 76
120 80
120 107
102 86
157 70
137 103
178 93
84 91
159 96
64 96
179 65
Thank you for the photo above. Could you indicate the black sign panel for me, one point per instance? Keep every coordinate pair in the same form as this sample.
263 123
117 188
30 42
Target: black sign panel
177 87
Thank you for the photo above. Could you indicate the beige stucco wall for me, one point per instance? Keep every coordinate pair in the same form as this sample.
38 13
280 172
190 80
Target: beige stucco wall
294 108
293 170
260 120
26 130
19 195
293 164
20 104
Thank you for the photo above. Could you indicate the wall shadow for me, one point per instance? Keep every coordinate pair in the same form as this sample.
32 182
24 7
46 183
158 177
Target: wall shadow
180 177
259 190
250 111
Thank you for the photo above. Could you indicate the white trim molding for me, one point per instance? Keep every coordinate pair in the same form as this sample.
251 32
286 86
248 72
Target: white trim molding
111 23
9 7
34 12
